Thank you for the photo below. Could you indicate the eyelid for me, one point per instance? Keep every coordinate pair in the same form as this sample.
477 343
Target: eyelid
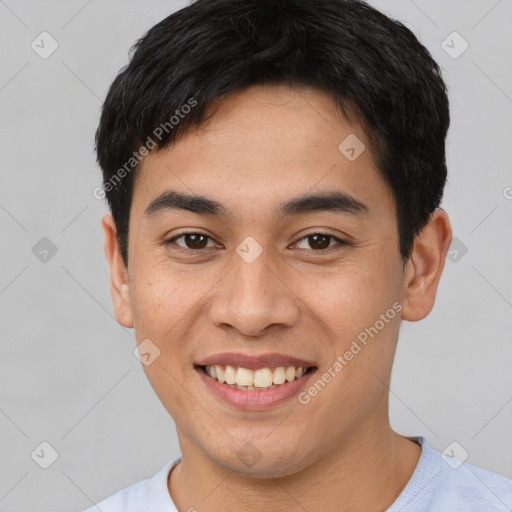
172 240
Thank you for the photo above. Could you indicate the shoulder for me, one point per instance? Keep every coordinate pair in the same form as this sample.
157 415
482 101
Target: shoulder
143 496
457 486
131 498
470 488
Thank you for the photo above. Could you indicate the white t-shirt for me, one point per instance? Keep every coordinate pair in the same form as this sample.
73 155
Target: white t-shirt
437 485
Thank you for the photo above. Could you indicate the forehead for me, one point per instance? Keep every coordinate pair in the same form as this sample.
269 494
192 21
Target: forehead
262 145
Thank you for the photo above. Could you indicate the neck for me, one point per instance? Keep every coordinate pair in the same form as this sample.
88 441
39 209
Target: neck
365 472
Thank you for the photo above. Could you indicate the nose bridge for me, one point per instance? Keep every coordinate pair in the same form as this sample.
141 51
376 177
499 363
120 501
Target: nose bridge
255 276
252 296
253 282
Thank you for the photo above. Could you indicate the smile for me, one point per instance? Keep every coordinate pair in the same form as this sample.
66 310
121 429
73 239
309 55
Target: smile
258 379
254 382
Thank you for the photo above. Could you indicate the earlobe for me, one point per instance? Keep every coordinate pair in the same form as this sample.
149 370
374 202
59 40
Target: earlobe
425 266
119 282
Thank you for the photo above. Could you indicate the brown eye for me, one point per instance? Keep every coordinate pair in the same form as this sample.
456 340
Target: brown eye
320 241
191 241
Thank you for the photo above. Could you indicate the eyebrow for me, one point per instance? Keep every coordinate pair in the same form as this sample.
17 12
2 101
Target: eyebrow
335 201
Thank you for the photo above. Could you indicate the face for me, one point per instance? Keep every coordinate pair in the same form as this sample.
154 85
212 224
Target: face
257 275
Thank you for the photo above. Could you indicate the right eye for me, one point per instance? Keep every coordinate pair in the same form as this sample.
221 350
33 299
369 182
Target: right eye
192 241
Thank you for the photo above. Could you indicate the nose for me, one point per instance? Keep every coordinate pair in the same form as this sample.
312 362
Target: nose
252 297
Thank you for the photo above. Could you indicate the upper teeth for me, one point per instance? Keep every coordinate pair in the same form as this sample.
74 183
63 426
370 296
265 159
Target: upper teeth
261 378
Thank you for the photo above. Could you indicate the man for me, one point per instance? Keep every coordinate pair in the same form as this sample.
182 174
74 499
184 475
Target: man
274 171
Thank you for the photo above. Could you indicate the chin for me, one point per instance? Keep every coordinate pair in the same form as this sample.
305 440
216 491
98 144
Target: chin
262 460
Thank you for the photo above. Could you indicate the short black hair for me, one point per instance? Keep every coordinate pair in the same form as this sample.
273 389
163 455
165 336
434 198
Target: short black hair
371 64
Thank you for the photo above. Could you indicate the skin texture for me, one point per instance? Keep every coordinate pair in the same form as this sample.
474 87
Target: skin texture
263 146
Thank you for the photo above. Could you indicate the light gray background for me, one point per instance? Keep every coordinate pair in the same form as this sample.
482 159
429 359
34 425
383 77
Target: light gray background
68 375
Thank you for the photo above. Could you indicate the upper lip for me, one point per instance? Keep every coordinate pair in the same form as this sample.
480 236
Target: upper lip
253 362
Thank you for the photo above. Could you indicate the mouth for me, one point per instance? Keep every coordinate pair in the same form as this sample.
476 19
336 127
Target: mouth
260 379
254 383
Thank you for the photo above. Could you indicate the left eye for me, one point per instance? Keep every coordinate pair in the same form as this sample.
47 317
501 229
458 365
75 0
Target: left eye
320 241
197 241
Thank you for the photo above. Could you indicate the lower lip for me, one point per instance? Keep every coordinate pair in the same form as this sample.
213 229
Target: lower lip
252 400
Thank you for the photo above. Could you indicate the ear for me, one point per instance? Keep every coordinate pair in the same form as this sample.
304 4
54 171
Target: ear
424 268
119 283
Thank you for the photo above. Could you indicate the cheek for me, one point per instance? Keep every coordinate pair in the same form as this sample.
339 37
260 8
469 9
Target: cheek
349 306
352 299
163 313
166 382
160 296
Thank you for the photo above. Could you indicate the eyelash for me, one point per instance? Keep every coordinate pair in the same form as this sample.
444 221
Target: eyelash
340 242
